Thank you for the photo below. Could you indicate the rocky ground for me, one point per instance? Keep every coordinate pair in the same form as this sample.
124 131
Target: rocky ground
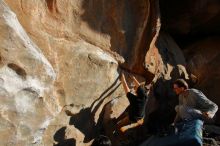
211 135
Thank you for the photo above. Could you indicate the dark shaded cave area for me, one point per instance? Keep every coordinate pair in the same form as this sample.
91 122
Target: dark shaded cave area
194 25
190 21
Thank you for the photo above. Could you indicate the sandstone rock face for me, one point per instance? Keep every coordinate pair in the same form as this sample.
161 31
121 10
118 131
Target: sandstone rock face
68 70
118 27
60 61
167 56
26 83
85 42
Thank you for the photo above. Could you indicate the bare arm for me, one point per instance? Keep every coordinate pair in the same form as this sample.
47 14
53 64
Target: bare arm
136 83
124 83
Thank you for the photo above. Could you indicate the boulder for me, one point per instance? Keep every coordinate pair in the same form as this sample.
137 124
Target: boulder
26 79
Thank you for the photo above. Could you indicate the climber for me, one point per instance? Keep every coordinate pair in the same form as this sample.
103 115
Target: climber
136 110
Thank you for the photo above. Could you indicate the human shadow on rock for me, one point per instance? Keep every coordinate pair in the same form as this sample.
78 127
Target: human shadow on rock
84 120
59 137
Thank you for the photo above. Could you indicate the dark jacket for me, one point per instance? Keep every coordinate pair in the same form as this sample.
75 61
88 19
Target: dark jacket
137 106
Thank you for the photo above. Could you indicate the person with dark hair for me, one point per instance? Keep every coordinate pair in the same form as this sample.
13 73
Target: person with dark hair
102 140
136 109
191 112
193 104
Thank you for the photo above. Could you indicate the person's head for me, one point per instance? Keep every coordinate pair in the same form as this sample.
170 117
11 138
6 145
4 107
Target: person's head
134 89
179 86
102 140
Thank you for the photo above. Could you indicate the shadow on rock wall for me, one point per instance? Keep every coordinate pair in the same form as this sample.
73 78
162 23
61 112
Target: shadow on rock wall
124 21
119 19
85 119
59 137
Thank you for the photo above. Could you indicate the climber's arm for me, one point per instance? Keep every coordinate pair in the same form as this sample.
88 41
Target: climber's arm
124 83
136 83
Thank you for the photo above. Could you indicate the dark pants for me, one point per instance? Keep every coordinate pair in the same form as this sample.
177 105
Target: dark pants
189 134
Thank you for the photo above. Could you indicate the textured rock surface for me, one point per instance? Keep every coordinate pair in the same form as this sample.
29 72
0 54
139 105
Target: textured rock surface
84 41
118 27
59 75
26 85
85 74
